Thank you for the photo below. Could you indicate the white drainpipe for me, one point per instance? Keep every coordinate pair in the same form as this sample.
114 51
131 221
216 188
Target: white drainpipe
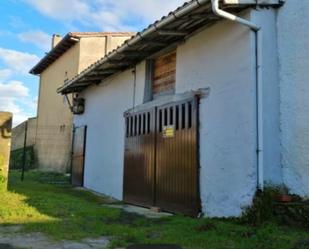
259 83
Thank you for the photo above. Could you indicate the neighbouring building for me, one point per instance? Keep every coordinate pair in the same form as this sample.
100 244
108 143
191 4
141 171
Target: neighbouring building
197 111
68 57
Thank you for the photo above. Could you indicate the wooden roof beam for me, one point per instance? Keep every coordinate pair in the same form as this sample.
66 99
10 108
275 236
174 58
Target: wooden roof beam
86 82
155 43
120 62
172 33
134 54
106 71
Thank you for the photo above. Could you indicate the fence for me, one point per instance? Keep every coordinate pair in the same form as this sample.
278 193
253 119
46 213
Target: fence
47 148
53 148
17 157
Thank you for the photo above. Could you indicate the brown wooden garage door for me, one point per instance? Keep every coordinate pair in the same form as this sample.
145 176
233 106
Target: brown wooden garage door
161 158
139 158
78 156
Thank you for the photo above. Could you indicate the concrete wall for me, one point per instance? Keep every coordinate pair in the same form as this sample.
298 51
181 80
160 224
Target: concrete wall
54 122
91 49
18 134
94 48
5 144
54 125
293 47
222 58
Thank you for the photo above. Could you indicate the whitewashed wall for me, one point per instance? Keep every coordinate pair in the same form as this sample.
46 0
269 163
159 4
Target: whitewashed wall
220 57
293 45
266 18
105 105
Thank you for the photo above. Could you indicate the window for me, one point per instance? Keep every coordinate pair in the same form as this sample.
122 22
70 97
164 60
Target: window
164 74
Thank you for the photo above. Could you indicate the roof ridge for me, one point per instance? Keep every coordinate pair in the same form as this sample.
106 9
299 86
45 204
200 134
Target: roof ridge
103 33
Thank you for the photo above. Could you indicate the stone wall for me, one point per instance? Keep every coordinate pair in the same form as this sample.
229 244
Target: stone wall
5 144
18 134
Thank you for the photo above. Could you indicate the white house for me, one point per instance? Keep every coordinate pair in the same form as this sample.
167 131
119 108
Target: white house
199 110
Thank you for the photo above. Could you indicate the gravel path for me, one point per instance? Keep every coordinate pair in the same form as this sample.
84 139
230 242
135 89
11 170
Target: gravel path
11 238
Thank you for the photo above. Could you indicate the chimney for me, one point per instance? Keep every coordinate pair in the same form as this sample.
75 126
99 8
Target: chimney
55 40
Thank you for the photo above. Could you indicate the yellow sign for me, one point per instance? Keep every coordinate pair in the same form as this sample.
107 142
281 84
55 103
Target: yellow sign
168 131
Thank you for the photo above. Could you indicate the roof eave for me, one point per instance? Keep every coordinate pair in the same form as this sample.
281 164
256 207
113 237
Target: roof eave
183 10
175 27
67 42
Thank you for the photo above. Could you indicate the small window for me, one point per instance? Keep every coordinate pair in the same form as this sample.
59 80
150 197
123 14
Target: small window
171 116
135 125
131 126
148 123
165 117
160 120
144 124
189 115
164 74
183 116
127 126
177 118
139 124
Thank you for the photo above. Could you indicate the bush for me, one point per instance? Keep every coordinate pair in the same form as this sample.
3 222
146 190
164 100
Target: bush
266 208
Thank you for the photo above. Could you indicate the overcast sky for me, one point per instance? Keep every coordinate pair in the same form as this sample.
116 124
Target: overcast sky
26 27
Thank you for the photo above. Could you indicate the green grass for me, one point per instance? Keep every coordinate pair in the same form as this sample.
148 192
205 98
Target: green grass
64 213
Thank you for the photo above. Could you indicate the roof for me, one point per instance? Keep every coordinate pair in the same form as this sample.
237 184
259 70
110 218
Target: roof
66 43
170 29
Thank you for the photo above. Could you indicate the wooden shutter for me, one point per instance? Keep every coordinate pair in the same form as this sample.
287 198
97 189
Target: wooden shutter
164 74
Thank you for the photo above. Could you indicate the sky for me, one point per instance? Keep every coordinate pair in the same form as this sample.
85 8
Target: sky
26 27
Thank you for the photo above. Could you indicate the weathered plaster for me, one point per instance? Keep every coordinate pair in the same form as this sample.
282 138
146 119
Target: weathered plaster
266 18
221 57
293 47
105 105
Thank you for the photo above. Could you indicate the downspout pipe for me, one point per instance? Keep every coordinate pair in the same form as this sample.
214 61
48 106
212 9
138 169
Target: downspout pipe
259 83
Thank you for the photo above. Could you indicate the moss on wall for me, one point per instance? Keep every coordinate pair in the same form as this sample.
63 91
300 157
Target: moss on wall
3 176
5 144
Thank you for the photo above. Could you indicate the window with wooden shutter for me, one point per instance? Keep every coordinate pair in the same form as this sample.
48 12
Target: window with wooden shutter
164 74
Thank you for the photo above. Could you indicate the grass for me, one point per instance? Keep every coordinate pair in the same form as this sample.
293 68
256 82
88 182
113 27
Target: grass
61 212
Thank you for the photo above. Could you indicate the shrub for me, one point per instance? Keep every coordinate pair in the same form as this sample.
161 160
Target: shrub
266 208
